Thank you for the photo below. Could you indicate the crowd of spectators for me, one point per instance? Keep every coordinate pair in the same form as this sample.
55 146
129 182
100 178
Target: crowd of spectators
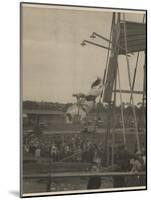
81 149
130 162
73 148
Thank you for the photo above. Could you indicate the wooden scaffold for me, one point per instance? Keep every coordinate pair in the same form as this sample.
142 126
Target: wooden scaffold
126 38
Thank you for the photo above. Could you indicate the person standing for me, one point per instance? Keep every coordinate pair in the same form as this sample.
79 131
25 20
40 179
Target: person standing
94 182
122 159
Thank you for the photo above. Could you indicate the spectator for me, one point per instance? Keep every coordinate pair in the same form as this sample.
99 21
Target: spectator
94 182
54 152
136 165
67 150
97 158
38 152
144 158
79 157
122 159
139 157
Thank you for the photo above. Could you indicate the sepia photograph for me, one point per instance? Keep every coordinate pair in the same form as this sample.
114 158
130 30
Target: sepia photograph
83 99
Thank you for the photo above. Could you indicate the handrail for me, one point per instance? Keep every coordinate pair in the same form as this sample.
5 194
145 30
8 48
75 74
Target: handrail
81 174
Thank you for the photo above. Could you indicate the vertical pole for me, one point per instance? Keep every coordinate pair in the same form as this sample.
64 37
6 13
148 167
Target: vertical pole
49 181
144 91
108 133
134 76
122 110
108 52
136 66
113 123
130 84
144 82
144 94
106 152
116 52
78 119
106 149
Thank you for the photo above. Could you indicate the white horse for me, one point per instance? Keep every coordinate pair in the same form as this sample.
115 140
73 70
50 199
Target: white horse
85 103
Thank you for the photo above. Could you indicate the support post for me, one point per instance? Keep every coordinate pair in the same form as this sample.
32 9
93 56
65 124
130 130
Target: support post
108 128
130 84
111 82
113 124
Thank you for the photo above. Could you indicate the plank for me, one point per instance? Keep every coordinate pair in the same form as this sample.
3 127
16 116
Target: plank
132 43
134 37
129 92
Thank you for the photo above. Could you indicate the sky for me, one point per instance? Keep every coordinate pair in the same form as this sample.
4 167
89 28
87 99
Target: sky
55 65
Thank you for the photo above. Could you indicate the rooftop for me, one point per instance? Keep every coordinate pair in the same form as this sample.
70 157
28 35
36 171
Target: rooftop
42 112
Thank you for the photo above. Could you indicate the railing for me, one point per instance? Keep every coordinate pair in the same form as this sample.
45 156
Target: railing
50 176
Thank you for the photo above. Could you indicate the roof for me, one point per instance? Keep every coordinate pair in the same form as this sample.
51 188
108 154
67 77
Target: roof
136 37
42 112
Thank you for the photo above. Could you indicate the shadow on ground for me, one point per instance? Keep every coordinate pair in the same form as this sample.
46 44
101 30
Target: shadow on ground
14 193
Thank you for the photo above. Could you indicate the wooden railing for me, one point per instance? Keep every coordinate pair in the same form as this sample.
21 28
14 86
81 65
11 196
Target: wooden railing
50 176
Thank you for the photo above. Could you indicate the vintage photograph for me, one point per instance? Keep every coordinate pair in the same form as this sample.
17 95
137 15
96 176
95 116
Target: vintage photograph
83 99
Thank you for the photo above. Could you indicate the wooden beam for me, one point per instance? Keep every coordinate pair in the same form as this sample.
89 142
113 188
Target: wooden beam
134 37
132 32
98 131
95 44
133 43
129 92
135 48
133 23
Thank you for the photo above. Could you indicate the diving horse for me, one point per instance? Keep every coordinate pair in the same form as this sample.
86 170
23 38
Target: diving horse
85 103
